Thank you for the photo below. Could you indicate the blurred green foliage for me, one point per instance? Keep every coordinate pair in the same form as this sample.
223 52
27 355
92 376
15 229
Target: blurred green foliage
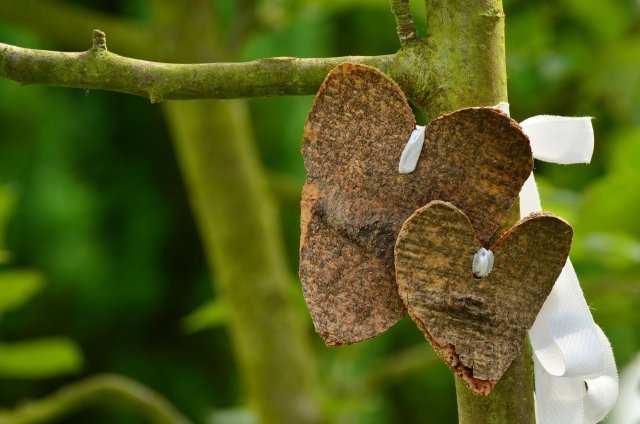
210 315
34 358
16 287
100 210
39 358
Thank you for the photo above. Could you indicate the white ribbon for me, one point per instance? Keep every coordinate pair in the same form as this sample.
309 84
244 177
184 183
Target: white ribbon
560 139
575 371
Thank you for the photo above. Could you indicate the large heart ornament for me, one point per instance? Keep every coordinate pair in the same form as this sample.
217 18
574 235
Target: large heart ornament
355 201
477 325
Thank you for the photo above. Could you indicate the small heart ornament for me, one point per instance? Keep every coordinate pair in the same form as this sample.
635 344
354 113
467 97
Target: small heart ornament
477 325
355 201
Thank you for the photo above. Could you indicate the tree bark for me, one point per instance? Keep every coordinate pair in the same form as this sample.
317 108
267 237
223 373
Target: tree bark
99 69
465 45
511 401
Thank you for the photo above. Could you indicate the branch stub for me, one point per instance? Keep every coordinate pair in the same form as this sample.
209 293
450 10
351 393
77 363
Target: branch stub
99 40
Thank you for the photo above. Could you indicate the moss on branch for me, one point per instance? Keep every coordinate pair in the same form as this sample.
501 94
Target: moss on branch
467 55
109 390
100 69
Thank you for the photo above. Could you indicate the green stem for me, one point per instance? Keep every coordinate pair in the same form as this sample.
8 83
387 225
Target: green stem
98 390
511 401
102 70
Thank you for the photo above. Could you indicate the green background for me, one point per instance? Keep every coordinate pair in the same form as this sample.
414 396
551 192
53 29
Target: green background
101 264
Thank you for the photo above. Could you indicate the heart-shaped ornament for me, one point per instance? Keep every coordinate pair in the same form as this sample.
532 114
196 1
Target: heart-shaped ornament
355 201
477 325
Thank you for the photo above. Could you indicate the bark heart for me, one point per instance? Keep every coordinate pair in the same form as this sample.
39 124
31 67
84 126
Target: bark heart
355 200
477 325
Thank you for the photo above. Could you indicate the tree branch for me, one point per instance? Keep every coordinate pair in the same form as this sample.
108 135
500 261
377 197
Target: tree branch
406 28
100 69
102 389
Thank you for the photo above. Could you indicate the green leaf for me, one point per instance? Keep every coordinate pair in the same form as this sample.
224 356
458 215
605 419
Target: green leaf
210 315
17 287
40 358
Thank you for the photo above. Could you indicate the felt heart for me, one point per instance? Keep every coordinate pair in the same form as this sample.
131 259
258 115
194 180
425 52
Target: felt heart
477 325
355 200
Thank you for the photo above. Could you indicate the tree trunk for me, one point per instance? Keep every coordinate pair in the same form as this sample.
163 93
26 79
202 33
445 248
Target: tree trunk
466 59
240 229
238 224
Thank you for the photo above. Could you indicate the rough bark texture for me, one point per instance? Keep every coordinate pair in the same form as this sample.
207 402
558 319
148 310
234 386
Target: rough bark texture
355 200
477 325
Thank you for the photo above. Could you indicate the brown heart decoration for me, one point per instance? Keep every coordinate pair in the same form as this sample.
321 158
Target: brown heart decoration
477 325
355 201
